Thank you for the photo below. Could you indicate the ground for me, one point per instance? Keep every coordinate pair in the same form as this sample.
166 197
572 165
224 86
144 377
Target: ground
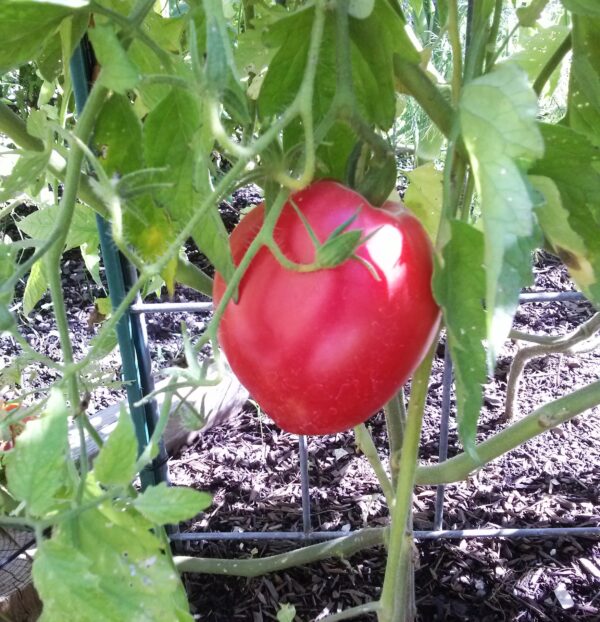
252 469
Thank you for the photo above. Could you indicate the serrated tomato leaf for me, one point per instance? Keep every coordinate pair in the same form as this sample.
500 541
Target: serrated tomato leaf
584 88
176 138
164 504
26 25
459 287
106 564
36 467
115 464
572 162
118 71
497 117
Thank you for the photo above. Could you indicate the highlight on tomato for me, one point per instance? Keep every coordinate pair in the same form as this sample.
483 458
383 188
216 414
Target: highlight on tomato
324 350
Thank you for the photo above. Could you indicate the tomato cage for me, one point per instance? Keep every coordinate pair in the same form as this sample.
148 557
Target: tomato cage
308 533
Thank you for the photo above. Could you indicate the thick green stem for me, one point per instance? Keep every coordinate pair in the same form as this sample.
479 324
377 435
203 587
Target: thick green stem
429 97
540 420
553 62
396 584
340 547
12 125
489 59
476 47
395 418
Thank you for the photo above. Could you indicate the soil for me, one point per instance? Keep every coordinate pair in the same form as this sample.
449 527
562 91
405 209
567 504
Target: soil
252 469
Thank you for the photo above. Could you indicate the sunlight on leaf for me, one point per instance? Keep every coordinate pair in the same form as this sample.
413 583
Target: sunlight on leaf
424 196
497 116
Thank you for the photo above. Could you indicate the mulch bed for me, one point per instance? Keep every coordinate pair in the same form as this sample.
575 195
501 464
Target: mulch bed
252 468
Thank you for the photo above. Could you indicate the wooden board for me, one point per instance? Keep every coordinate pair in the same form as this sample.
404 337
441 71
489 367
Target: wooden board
218 403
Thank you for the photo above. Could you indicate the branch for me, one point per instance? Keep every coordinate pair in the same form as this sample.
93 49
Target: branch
543 418
565 344
430 98
552 64
340 547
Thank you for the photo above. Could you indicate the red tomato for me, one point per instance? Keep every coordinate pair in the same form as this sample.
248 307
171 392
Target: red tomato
323 351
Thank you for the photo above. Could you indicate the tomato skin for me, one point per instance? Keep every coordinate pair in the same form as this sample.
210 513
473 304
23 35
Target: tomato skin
323 351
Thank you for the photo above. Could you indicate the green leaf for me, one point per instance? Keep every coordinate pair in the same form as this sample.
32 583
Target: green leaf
35 288
162 504
150 95
375 40
584 267
424 196
115 464
459 288
286 69
539 49
176 137
497 117
286 613
8 255
83 228
220 66
27 172
36 467
584 88
591 8
573 164
529 15
91 259
118 137
25 25
106 564
118 71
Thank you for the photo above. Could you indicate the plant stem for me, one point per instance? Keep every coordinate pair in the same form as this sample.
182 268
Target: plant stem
394 594
540 420
552 63
364 442
565 344
340 547
12 125
476 47
454 36
395 418
15 128
429 97
489 59
353 612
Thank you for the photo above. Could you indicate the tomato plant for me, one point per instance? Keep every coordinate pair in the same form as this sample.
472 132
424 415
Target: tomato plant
495 105
321 351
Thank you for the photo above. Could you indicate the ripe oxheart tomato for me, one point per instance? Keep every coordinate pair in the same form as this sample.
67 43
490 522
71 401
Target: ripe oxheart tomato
323 351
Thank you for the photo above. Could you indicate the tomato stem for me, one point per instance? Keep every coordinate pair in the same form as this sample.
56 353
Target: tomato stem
364 442
540 420
395 417
399 566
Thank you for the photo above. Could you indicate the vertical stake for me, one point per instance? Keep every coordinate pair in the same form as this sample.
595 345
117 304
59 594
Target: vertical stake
303 452
443 454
